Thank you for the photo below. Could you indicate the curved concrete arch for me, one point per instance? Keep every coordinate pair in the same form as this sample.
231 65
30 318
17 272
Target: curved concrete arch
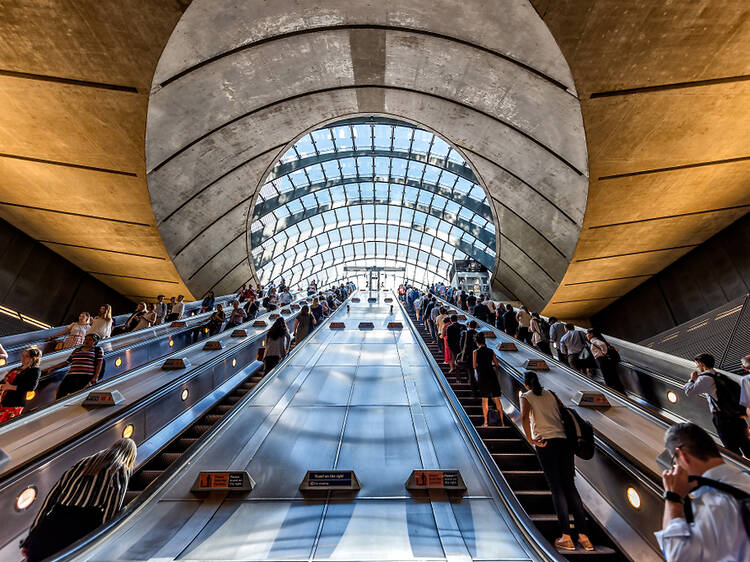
214 130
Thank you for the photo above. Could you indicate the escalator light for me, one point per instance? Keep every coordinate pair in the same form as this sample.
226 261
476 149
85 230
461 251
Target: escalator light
26 498
2 361
118 361
127 433
184 394
634 498
30 395
205 330
171 343
672 397
234 362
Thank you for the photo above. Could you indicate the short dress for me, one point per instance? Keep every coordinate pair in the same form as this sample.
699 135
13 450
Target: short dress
76 333
446 348
489 387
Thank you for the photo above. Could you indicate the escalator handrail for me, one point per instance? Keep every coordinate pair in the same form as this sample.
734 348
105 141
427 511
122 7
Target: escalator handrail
139 503
103 424
513 506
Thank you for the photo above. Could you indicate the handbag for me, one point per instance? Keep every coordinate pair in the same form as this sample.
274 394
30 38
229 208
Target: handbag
578 432
584 354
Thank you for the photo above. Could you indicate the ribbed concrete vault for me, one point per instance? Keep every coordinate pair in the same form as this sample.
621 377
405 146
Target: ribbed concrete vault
239 82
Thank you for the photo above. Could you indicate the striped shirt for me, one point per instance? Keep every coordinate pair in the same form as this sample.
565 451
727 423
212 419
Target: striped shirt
84 362
105 490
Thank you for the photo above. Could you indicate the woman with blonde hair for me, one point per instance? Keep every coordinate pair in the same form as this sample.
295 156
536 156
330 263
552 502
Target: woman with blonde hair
101 324
75 332
18 382
87 495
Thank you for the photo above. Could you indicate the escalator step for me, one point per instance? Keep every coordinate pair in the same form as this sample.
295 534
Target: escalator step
536 501
516 461
183 443
149 476
241 391
507 446
223 408
211 419
231 399
497 432
164 460
198 429
130 495
525 479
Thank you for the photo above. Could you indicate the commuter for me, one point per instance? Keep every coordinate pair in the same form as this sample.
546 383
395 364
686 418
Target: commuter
713 528
606 361
101 324
432 319
161 309
132 322
543 426
468 345
208 302
237 315
142 318
303 324
269 302
524 323
285 298
216 320
317 310
417 304
510 323
556 332
170 305
240 296
574 347
86 496
453 341
719 391
471 302
485 362
439 322
178 307
539 333
85 367
448 357
277 344
150 315
463 301
251 307
481 311
74 332
18 382
490 304
745 385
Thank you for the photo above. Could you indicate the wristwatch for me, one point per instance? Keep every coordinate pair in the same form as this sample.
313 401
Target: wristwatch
671 496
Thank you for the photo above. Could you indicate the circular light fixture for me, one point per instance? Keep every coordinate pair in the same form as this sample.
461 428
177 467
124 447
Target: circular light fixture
672 397
234 362
634 498
118 361
171 343
127 433
205 330
26 498
2 361
30 395
184 394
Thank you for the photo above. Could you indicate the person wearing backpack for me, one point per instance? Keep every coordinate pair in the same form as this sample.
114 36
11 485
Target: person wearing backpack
719 501
606 358
723 396
539 333
545 431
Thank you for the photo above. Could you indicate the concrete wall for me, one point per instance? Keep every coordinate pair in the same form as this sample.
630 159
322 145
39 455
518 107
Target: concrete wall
39 283
709 276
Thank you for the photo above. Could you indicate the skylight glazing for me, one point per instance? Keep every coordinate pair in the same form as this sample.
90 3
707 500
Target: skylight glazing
369 192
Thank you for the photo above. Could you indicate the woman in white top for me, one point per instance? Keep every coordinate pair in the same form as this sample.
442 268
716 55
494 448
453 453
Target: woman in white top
147 318
524 321
101 324
76 332
543 426
177 308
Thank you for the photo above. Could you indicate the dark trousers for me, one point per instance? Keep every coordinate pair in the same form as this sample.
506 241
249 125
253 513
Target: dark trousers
523 334
71 384
269 362
733 433
559 470
562 357
609 372
61 527
543 346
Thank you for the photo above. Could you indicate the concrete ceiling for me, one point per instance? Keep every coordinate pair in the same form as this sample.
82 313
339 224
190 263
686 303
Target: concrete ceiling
664 90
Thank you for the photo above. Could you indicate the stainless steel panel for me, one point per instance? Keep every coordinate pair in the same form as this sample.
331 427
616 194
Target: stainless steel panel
272 530
381 447
303 439
379 386
326 385
379 354
379 530
272 391
486 532
341 355
428 391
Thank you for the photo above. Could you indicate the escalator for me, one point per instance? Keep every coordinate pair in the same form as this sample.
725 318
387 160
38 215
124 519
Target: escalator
518 463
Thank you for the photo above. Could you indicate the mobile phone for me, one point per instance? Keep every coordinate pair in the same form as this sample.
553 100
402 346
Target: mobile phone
664 460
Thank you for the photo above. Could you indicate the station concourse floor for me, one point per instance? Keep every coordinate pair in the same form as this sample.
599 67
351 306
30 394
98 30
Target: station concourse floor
365 400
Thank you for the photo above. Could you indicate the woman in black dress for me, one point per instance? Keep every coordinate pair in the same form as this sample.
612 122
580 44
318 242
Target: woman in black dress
485 363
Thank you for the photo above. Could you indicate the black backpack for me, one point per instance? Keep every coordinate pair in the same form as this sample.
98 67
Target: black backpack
728 395
742 497
544 326
578 431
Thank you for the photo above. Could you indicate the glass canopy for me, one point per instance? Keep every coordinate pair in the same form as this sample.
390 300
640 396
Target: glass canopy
369 192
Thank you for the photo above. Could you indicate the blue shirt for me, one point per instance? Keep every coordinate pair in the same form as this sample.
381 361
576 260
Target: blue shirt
717 534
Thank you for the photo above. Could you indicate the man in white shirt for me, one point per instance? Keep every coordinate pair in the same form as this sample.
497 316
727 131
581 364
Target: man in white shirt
717 531
285 298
